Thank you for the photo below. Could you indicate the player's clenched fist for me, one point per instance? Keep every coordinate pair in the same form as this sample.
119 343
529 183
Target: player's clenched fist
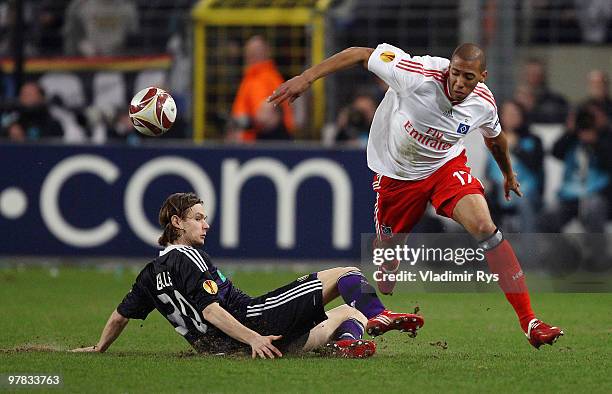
290 90
262 346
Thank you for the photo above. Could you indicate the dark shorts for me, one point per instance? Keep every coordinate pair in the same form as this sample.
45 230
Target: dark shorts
291 311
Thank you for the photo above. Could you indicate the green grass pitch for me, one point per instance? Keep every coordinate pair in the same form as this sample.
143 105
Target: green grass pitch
45 313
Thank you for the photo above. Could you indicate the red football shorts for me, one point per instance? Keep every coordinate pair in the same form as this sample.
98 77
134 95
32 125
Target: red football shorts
401 204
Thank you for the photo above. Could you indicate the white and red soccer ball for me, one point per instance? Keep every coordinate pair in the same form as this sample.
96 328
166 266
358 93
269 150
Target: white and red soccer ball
152 111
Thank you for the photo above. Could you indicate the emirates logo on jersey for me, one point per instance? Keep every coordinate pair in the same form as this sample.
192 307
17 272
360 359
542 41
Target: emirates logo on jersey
432 138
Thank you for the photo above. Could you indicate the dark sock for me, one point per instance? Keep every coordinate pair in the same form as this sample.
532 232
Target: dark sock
349 329
358 293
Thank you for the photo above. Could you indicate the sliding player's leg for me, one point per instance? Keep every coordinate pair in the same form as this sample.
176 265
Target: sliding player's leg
472 212
341 334
353 287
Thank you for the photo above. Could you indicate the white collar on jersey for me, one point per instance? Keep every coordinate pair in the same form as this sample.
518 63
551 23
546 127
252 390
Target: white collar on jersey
171 247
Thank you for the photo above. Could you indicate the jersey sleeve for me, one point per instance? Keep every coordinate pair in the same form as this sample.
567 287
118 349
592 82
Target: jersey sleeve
200 288
136 304
402 72
491 127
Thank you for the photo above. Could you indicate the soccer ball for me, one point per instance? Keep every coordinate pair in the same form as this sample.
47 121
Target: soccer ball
152 111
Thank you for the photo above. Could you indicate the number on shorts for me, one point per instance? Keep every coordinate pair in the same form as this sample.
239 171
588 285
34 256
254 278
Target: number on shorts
464 177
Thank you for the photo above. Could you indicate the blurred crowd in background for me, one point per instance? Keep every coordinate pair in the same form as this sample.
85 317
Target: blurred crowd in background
60 107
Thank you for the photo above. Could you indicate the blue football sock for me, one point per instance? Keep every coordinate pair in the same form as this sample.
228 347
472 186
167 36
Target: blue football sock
349 329
358 293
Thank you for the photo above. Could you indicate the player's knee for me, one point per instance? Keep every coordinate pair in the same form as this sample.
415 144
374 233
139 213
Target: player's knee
353 313
483 228
346 312
344 271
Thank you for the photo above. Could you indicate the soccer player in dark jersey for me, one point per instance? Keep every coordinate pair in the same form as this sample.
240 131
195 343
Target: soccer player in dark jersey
215 317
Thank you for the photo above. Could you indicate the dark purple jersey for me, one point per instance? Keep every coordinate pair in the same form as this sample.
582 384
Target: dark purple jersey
180 283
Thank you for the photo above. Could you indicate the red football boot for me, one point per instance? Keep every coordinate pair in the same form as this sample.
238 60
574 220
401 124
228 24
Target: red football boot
386 286
387 320
351 348
539 333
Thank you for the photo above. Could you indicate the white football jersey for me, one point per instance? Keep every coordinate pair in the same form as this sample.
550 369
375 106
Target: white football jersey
417 128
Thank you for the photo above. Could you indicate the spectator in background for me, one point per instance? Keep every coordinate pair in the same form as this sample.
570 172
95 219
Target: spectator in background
269 123
99 27
599 91
524 96
353 123
260 79
593 18
527 153
604 126
527 156
47 27
585 152
121 129
549 107
7 26
31 119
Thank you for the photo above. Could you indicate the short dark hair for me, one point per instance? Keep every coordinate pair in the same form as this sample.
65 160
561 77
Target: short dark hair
469 52
176 204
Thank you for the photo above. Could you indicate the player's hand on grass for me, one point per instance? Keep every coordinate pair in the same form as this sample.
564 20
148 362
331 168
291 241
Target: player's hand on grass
512 184
88 349
290 90
262 346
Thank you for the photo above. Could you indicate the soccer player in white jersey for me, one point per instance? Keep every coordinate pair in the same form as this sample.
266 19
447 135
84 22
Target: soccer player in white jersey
416 150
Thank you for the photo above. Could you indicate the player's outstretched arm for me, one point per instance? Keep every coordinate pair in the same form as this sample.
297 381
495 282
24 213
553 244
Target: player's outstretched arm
114 326
293 88
261 345
499 149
